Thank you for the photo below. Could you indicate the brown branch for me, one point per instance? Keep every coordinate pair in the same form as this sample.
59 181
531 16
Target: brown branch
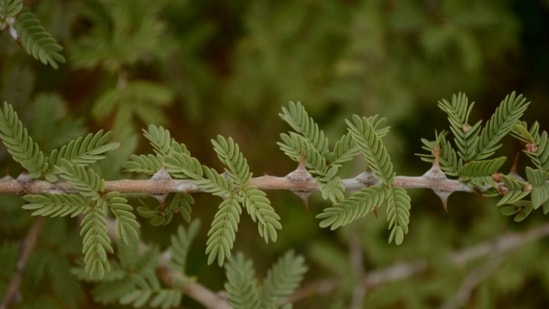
191 288
27 247
492 248
22 186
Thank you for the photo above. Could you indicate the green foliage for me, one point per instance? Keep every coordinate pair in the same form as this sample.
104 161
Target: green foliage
10 8
96 243
55 205
180 246
282 279
356 206
222 233
36 41
364 134
20 145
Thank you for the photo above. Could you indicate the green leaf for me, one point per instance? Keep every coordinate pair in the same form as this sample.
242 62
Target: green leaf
398 214
540 187
507 114
260 210
229 154
86 180
354 207
371 146
55 205
19 144
180 245
127 227
160 138
84 150
465 135
298 118
295 145
222 233
36 41
184 166
515 191
146 164
282 279
481 168
10 8
96 242
240 286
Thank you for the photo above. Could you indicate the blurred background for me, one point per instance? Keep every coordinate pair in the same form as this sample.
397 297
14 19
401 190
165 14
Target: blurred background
202 68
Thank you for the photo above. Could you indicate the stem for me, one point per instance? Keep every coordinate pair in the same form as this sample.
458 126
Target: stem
150 186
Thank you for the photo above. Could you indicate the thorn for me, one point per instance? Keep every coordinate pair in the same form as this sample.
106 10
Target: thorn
375 211
443 195
436 174
301 176
304 196
513 170
161 176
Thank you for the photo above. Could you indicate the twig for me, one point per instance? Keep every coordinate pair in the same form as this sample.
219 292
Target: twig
471 281
23 186
27 247
496 247
191 288
357 266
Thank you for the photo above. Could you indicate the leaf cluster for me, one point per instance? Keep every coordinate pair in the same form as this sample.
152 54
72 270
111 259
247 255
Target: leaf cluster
282 279
25 27
71 163
233 186
363 137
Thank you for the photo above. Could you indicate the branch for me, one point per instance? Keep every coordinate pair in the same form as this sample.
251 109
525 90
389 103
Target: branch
193 289
26 250
22 185
492 248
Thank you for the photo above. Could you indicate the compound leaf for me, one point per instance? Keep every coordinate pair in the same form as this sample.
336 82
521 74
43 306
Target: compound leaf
240 286
282 279
354 207
369 143
55 205
19 144
222 233
36 41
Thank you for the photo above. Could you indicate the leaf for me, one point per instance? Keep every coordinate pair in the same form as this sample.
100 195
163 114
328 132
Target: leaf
127 227
222 233
10 8
282 279
465 135
36 41
481 168
298 118
515 191
240 286
84 150
398 214
19 144
540 187
229 154
87 181
372 148
96 242
507 114
259 208
295 145
180 245
354 207
55 205
160 139
146 164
